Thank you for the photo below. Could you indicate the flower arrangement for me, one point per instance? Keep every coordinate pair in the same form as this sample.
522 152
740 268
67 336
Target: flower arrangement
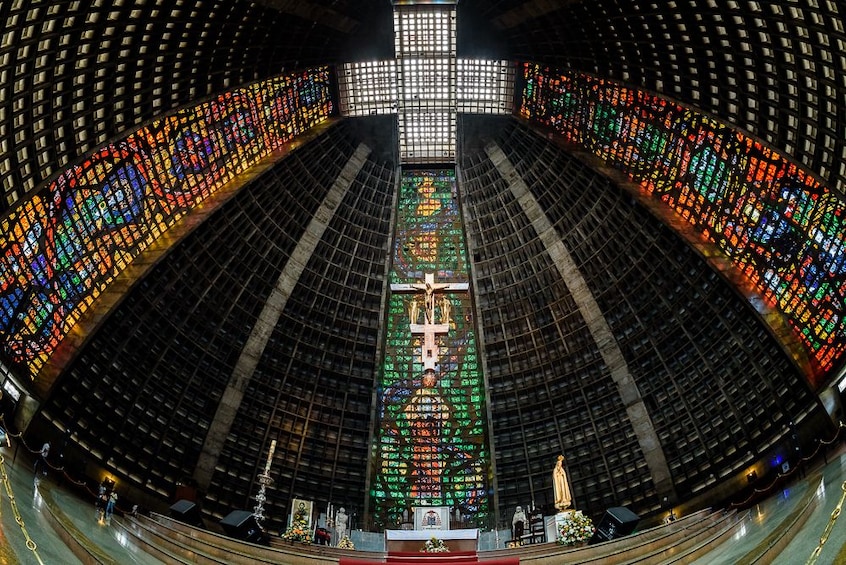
576 528
346 543
298 530
434 545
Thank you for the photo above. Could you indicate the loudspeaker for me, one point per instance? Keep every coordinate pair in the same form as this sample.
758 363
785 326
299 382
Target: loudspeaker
242 525
187 512
618 521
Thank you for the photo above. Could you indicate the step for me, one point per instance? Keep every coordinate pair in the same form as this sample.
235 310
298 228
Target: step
170 545
690 546
638 544
771 547
85 549
242 552
151 548
674 541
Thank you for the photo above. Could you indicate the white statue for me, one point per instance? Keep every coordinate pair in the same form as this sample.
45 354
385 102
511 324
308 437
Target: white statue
341 524
518 523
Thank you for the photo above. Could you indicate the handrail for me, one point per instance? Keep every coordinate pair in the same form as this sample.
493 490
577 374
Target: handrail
30 543
828 527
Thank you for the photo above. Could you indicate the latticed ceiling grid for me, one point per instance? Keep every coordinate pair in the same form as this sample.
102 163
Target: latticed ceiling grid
782 86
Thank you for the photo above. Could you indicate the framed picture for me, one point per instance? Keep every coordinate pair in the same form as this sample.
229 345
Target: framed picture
431 518
301 509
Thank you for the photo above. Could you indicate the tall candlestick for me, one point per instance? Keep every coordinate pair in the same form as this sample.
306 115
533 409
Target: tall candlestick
270 457
264 481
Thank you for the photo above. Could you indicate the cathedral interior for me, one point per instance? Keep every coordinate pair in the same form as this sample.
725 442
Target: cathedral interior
672 348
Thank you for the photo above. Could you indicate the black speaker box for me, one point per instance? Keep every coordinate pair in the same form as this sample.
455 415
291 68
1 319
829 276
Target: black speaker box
617 522
241 524
187 512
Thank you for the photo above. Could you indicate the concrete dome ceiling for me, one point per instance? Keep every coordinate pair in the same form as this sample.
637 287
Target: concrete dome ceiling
139 398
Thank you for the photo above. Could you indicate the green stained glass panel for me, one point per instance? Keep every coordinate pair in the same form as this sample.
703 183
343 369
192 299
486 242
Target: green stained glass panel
432 440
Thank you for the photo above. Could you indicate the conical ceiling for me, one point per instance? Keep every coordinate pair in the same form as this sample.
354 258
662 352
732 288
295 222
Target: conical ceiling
718 391
80 74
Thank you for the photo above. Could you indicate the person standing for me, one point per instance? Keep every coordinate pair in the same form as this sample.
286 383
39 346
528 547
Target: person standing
110 506
100 503
41 459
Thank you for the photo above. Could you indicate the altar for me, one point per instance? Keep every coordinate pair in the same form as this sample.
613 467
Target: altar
404 541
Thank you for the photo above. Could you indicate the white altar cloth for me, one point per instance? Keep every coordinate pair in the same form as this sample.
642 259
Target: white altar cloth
413 540
423 535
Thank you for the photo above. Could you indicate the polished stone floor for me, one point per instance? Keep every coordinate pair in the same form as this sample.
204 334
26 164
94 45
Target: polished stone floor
35 498
823 487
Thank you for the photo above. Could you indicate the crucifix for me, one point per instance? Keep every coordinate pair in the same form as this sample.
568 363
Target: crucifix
430 328
426 411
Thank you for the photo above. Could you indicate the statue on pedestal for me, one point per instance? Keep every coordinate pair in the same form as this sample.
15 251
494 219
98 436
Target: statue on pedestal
341 519
561 486
518 524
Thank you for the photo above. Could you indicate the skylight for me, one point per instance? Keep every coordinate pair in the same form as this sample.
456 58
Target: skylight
427 85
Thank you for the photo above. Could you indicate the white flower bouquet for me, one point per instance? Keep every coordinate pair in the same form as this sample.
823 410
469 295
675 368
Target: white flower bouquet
434 545
576 528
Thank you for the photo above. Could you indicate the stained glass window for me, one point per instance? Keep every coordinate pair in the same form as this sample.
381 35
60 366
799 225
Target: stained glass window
63 247
780 227
432 446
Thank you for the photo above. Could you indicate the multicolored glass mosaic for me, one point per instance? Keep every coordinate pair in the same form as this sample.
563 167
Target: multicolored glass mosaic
63 246
432 447
781 228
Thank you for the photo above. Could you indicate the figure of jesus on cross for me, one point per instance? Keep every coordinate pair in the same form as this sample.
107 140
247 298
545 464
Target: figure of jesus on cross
429 329
427 411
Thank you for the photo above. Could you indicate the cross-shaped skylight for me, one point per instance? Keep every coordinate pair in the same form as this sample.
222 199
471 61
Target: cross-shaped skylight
426 85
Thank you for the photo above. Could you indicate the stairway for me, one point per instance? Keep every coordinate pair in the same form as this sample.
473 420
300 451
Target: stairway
684 541
651 546
450 558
